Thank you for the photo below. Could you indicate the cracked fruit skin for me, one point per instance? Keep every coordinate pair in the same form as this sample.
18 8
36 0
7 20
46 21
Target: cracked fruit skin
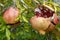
10 15
41 24
41 20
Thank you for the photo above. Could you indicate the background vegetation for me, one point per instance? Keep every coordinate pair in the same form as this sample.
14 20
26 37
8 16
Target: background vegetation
24 31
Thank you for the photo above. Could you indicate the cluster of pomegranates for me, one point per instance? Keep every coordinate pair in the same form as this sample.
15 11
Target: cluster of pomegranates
42 21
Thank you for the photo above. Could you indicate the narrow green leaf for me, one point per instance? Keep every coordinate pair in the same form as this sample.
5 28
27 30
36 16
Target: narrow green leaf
25 19
7 34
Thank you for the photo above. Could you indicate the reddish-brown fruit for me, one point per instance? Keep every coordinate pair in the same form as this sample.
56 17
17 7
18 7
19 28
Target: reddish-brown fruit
10 15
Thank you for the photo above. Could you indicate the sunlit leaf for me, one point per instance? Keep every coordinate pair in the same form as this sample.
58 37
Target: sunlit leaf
25 19
8 34
1 5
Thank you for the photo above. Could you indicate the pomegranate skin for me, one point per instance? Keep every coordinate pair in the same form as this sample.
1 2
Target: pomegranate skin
39 23
10 15
42 32
56 20
50 28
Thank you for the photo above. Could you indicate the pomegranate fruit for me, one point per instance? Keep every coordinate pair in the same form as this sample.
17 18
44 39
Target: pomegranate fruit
41 21
40 24
10 15
37 22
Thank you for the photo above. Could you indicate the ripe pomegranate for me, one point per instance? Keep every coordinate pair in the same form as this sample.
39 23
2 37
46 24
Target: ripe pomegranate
10 15
41 21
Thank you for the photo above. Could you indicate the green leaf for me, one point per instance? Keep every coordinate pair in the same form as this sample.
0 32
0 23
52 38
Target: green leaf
30 4
24 18
55 4
58 38
1 20
2 28
1 5
8 34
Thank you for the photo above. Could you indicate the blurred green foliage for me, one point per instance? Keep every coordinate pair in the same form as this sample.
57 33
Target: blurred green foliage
23 31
